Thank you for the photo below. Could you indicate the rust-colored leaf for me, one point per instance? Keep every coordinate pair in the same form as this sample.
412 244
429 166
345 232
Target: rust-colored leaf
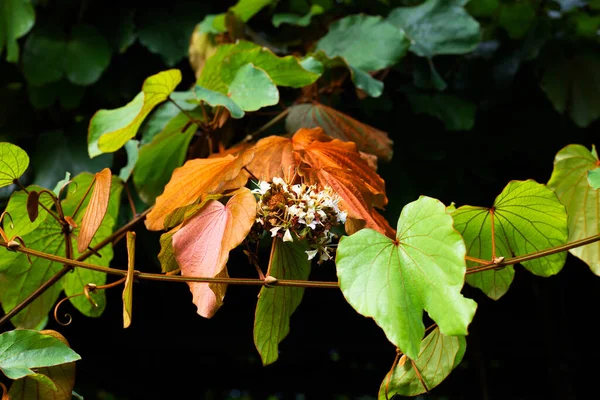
305 136
195 178
273 156
340 126
96 209
33 202
203 243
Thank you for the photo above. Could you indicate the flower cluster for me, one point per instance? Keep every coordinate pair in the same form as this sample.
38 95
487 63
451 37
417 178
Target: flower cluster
301 210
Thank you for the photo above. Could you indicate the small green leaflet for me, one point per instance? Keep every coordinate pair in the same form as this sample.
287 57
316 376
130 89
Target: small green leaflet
109 130
569 182
394 281
23 349
215 99
243 10
528 217
60 184
276 304
253 89
13 163
17 17
438 356
17 208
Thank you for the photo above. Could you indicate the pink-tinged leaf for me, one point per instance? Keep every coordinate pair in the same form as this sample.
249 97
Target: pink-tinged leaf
96 209
203 243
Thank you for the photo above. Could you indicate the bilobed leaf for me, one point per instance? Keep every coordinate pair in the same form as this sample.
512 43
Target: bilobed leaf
456 113
276 304
438 356
62 377
128 289
195 178
252 89
24 349
340 126
13 163
569 182
273 156
437 27
394 281
203 243
109 130
16 19
96 209
215 99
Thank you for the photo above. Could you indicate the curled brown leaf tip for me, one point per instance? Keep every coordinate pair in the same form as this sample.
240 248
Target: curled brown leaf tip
68 316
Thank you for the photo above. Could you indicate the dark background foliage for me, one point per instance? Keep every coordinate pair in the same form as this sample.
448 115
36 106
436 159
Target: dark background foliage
537 341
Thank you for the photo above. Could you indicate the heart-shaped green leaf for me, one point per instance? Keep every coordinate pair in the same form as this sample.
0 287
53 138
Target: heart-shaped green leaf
276 304
569 182
438 356
16 19
13 163
393 281
252 89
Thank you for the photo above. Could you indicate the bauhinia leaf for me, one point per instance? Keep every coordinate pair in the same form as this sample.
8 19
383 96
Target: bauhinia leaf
438 356
527 217
96 209
340 126
203 243
24 349
195 178
276 304
62 377
128 289
394 281
569 182
109 130
13 163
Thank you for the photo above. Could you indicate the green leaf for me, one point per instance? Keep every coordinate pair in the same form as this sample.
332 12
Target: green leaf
61 183
243 10
166 256
527 218
13 163
16 19
482 8
162 114
162 155
368 43
295 19
568 181
252 89
437 27
517 18
456 113
362 80
132 149
49 55
277 304
438 356
393 281
67 94
19 222
594 178
21 350
110 129
572 85
215 99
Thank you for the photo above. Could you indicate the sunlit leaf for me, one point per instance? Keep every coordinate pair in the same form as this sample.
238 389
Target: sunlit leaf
273 156
215 99
61 184
277 304
456 113
340 126
195 178
128 289
594 178
96 209
252 89
13 163
203 243
109 130
61 375
202 46
16 19
438 356
164 113
23 349
569 182
437 27
394 281
19 222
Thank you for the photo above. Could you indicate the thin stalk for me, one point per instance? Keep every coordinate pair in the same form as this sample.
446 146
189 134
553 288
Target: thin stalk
23 188
83 198
194 120
266 126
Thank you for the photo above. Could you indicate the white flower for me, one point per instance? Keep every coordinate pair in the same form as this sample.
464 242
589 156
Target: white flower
311 253
274 231
287 237
262 188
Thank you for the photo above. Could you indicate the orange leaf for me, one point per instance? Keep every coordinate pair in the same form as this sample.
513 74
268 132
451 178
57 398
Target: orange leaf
203 243
273 157
340 126
304 136
195 178
96 209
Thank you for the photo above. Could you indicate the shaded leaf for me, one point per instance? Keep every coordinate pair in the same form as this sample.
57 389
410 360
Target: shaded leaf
202 46
203 243
133 151
16 19
252 89
61 184
340 126
438 356
295 19
243 10
96 209
164 113
166 256
393 281
195 178
277 304
215 99
23 349
109 130
13 163
517 18
128 289
568 181
456 113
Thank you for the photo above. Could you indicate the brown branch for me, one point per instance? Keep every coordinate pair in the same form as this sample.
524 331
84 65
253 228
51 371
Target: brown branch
266 126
